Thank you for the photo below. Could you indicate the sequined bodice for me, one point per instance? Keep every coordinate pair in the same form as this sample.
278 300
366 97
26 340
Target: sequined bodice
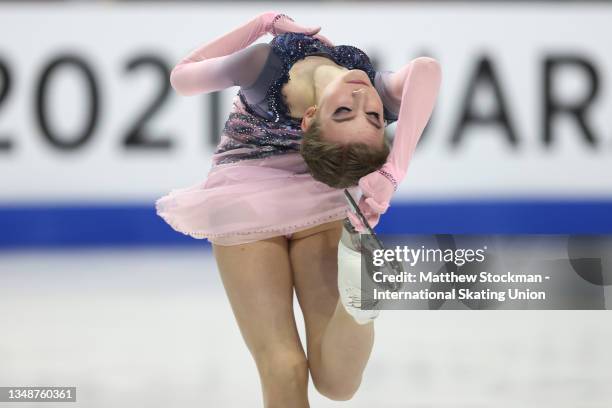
260 125
286 50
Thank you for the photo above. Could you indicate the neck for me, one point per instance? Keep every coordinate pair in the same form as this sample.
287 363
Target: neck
321 77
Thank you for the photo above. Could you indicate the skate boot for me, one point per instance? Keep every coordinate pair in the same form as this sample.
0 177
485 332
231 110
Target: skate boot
349 275
354 249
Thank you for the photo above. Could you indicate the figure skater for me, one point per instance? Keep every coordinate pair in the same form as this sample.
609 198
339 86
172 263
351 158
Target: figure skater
307 122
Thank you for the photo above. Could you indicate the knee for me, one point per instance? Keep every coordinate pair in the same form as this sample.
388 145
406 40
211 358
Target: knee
282 365
341 389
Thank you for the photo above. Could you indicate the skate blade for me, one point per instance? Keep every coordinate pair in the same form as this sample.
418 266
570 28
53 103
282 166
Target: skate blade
373 243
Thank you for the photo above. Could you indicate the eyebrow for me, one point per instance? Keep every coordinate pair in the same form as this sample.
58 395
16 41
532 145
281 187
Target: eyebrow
376 125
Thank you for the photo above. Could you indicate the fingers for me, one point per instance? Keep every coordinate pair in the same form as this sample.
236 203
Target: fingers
355 221
373 220
370 214
378 207
296 28
371 217
306 30
324 40
284 26
312 30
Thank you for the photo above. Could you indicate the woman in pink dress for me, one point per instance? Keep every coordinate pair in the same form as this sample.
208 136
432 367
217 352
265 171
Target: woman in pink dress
308 121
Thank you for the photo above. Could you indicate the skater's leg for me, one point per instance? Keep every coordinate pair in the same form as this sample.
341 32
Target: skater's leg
338 348
259 283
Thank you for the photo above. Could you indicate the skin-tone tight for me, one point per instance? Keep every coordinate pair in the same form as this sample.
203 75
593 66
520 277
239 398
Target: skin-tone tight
260 279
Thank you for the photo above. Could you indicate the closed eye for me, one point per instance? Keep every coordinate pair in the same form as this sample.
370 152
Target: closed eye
343 118
342 109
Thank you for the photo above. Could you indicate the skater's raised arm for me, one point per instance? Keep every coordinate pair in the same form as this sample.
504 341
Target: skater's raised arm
416 86
226 61
205 68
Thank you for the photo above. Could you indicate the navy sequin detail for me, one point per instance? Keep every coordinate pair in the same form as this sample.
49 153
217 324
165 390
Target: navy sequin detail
260 137
257 137
292 47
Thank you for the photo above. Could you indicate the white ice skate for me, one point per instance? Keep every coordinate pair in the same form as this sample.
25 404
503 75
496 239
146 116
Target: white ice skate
354 246
349 275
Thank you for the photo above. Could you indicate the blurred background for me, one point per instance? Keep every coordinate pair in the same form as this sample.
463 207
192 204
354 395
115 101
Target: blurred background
98 292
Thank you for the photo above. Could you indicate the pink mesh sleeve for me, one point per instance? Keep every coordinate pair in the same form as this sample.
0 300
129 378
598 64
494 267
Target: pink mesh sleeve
417 85
205 68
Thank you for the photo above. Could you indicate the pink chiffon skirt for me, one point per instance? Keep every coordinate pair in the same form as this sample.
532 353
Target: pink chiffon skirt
251 200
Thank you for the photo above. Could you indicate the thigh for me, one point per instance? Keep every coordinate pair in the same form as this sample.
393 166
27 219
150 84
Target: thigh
315 272
259 284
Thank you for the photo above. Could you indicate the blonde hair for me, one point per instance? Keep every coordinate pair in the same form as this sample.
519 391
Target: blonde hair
339 165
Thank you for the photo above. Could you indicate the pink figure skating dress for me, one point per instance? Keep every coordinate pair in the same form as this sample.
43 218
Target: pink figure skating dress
258 185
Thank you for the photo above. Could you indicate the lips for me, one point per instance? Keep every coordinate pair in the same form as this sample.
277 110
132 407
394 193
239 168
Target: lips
357 82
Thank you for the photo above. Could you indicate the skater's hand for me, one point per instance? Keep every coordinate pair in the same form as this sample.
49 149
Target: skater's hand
370 215
377 192
284 24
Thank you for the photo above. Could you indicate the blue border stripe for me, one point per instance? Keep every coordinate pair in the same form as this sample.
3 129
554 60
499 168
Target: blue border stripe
86 225
24 226
500 217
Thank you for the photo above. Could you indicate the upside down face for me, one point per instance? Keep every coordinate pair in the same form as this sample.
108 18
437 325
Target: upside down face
350 110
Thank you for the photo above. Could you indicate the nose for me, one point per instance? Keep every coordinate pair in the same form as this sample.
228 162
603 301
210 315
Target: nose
358 97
